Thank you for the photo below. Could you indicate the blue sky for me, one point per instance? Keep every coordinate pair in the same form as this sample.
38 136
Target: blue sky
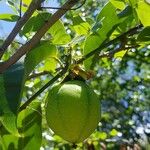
6 27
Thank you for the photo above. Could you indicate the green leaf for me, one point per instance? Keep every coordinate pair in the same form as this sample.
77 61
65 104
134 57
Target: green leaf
11 82
80 26
107 64
41 52
29 127
9 142
126 13
107 20
144 35
35 23
113 132
119 55
59 34
143 11
9 17
129 20
26 2
119 4
50 64
92 42
101 135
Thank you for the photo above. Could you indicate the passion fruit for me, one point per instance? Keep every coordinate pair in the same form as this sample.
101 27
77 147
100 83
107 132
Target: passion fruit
72 110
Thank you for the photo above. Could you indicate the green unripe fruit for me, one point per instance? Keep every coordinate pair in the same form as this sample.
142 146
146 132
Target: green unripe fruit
72 110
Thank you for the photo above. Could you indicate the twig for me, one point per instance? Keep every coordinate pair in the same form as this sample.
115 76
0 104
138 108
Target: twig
49 7
20 9
110 54
34 75
17 42
104 45
36 38
32 7
97 56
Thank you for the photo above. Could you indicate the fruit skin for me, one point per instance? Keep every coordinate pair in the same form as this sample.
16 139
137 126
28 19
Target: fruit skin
72 110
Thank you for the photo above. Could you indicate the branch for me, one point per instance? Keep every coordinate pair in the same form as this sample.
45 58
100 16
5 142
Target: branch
36 38
104 45
32 7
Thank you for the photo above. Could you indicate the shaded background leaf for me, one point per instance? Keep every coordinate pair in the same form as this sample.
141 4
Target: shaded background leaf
11 82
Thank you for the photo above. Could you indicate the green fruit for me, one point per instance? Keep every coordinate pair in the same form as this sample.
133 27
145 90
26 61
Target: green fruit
72 110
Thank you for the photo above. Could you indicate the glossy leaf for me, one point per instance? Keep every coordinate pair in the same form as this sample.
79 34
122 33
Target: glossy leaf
11 82
101 135
58 34
143 11
108 20
41 52
29 127
119 55
80 26
113 132
50 64
119 4
26 2
9 17
35 23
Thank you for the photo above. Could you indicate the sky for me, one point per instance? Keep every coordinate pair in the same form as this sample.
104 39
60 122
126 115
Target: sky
6 27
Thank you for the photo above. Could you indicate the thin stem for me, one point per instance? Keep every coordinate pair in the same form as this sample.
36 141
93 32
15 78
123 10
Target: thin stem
20 11
34 75
49 7
104 45
111 53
